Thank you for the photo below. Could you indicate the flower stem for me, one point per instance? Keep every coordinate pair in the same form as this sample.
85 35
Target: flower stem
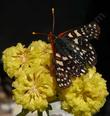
23 112
40 113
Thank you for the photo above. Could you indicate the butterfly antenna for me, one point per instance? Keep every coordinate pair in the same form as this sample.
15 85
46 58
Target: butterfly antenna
38 33
53 22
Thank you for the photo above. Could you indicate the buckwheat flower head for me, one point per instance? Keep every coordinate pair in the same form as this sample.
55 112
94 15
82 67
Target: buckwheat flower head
14 58
33 88
17 58
86 95
42 52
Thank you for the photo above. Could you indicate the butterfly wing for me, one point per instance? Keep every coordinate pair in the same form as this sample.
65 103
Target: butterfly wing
71 60
74 53
89 31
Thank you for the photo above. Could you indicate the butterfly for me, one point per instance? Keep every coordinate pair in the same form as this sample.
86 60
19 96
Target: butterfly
73 53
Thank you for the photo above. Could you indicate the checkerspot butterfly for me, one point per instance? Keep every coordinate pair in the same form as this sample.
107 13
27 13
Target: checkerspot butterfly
73 52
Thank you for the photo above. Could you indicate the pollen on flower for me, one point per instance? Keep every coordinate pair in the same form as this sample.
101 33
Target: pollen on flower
86 95
13 58
33 89
18 57
23 58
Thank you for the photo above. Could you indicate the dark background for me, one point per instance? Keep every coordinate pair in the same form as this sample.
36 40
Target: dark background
18 18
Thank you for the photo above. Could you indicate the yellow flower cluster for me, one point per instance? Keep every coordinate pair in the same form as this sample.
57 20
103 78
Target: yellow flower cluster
14 58
32 89
17 58
86 95
35 87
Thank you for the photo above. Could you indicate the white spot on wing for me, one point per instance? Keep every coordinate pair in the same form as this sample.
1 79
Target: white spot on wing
68 83
76 41
70 35
61 84
60 74
64 58
77 48
73 67
90 34
91 59
72 46
59 62
82 30
75 61
92 52
58 79
81 53
58 55
83 33
74 50
90 47
60 69
90 25
94 25
66 75
76 32
70 56
86 40
87 36
68 68
82 70
89 62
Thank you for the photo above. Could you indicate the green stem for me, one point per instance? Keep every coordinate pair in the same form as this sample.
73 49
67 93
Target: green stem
23 112
40 113
47 111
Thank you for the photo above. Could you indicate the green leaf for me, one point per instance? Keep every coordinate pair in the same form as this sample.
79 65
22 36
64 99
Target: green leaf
23 113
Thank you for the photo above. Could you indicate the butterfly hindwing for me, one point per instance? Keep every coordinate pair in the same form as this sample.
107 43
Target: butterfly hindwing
69 61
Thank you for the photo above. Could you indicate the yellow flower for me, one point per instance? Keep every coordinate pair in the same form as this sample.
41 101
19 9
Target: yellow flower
34 88
42 52
17 58
86 95
14 58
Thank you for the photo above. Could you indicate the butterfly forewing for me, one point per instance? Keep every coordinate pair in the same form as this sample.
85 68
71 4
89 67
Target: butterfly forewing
92 30
86 50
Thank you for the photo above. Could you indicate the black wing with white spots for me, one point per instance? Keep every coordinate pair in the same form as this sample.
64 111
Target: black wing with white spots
89 31
71 59
74 53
